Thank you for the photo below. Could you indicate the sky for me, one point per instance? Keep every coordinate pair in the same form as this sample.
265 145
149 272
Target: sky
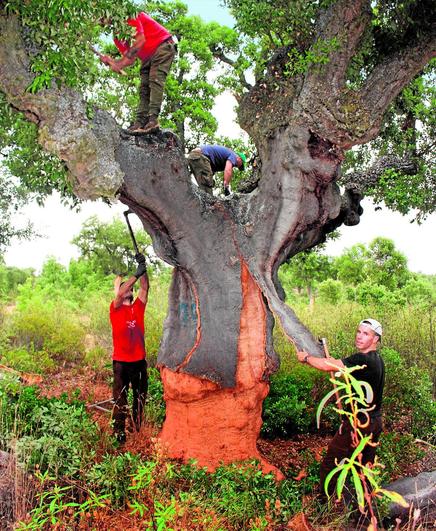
59 225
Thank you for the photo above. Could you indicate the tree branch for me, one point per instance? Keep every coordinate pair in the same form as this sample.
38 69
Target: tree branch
391 75
219 54
364 180
88 149
344 22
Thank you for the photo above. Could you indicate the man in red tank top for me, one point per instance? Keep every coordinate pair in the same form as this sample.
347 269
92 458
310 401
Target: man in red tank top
154 46
129 365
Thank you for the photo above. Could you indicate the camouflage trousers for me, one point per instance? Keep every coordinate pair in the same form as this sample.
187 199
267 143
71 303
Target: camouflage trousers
201 168
153 75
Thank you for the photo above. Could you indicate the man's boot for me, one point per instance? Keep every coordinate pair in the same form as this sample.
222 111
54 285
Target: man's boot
137 127
152 125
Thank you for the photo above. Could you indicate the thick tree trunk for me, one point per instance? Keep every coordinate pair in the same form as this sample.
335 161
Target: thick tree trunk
221 425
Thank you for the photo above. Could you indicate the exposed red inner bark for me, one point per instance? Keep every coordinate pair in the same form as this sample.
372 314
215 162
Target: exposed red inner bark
215 425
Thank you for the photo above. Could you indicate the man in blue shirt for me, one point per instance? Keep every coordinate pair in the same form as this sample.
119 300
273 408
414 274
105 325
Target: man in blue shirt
206 160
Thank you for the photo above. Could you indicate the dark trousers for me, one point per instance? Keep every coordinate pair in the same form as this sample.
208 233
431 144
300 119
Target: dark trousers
341 446
153 74
127 373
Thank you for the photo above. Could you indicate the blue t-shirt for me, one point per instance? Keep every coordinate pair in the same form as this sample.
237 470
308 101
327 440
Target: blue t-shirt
218 156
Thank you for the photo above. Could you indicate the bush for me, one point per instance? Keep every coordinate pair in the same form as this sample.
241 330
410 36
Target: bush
407 398
52 434
331 291
113 476
41 326
25 360
289 406
394 451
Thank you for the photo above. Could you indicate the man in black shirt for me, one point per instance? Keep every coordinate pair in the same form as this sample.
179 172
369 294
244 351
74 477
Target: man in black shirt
367 341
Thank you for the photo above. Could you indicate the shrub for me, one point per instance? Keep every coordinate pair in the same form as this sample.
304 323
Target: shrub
331 291
54 434
52 328
289 406
113 476
407 398
27 360
394 451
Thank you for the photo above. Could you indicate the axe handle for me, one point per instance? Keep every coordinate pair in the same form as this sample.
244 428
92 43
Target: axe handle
332 373
100 55
135 245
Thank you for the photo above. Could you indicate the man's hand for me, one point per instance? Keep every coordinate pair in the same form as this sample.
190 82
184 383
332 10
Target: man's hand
140 258
141 269
302 356
105 59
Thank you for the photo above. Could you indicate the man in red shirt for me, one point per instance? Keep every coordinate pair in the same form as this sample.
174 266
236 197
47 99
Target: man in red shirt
154 46
129 365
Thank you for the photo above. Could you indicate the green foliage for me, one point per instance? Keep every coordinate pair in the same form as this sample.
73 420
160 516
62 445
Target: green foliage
51 435
11 278
408 396
57 507
331 291
61 31
154 410
395 449
38 325
28 172
286 409
108 246
112 476
28 360
306 269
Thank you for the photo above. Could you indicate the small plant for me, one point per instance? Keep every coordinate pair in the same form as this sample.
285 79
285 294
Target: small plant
154 410
355 395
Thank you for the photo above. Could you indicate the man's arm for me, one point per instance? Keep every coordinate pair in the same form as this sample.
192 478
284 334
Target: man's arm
128 58
127 286
228 173
144 285
323 364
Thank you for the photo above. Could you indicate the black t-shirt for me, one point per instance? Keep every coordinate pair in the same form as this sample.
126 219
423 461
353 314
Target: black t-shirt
373 373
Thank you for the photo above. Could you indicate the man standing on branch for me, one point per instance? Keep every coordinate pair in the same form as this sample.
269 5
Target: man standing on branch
205 161
367 341
154 46
129 365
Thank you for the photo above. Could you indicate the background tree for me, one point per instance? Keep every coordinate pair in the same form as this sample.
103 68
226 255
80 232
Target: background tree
304 112
109 246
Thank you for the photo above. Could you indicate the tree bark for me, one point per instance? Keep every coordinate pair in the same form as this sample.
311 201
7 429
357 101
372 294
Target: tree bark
217 353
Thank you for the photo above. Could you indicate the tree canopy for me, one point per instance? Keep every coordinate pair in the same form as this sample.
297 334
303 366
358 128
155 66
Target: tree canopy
60 33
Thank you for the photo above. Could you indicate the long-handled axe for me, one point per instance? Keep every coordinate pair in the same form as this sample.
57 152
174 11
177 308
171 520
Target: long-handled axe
100 55
126 215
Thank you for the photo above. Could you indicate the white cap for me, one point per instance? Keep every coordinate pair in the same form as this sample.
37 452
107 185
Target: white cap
373 324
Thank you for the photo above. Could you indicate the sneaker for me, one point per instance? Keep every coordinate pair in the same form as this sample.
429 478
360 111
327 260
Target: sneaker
152 125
